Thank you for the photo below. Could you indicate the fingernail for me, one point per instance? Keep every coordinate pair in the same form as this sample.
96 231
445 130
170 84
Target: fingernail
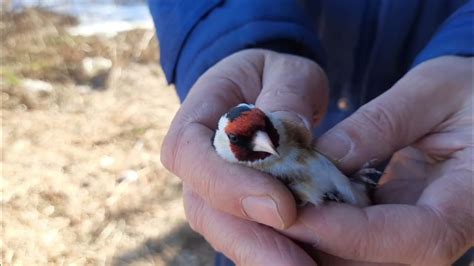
262 209
304 121
293 117
336 145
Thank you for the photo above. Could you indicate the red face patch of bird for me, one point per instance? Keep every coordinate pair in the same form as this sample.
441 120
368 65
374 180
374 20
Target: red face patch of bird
244 123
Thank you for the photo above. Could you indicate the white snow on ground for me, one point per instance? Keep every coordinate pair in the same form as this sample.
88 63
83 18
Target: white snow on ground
103 17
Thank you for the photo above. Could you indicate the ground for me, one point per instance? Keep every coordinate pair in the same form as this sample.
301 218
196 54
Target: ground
82 182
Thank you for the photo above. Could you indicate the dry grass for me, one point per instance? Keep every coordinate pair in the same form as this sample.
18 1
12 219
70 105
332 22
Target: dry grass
64 154
35 44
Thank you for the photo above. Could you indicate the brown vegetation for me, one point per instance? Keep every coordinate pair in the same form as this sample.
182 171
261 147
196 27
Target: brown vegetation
82 181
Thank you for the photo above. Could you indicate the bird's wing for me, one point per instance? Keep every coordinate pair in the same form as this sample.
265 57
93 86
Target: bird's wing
298 134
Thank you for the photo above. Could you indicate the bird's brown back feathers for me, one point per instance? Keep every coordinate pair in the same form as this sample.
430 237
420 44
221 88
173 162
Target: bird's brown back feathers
299 135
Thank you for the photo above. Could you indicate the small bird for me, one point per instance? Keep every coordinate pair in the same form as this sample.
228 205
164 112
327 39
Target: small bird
284 149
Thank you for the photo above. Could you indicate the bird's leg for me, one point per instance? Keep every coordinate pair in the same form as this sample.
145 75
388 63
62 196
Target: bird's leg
366 170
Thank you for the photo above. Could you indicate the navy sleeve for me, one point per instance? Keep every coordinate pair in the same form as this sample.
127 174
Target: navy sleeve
455 37
194 35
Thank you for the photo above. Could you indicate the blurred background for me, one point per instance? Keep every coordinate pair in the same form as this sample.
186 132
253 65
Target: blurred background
85 107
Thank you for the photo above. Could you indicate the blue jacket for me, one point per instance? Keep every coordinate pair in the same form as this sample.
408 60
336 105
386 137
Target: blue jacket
365 46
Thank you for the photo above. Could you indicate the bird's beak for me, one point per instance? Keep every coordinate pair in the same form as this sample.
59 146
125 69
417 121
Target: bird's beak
262 142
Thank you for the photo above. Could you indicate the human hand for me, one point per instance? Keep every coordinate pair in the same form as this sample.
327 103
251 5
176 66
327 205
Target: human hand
222 200
425 214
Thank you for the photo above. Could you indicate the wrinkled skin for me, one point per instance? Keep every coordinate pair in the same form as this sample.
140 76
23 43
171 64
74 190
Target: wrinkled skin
424 212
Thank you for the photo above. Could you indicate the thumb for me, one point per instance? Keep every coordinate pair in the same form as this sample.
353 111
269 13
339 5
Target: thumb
299 95
409 110
245 242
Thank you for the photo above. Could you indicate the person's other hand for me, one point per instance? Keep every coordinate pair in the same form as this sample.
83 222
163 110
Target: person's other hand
223 200
425 211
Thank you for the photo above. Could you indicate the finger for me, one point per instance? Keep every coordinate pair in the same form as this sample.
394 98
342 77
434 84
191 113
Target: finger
400 116
405 177
294 86
442 145
434 232
246 243
382 233
399 191
188 153
447 196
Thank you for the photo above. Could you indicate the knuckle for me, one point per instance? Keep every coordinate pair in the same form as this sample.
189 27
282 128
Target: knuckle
434 250
319 79
446 242
265 246
199 176
382 121
447 250
171 145
361 248
454 230
363 240
245 255
290 99
193 212
287 253
441 250
378 117
167 151
238 252
209 189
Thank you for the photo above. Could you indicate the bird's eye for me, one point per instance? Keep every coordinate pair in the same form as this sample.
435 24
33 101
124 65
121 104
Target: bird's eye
233 138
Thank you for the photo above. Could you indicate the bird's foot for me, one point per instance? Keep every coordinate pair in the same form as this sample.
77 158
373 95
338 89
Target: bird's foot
333 196
363 175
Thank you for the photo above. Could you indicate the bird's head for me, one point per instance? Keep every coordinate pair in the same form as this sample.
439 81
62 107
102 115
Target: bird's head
245 134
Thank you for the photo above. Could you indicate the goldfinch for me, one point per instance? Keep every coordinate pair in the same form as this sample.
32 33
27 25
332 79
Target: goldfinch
284 149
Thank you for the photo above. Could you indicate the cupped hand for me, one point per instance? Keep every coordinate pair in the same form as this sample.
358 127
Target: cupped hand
424 213
223 201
